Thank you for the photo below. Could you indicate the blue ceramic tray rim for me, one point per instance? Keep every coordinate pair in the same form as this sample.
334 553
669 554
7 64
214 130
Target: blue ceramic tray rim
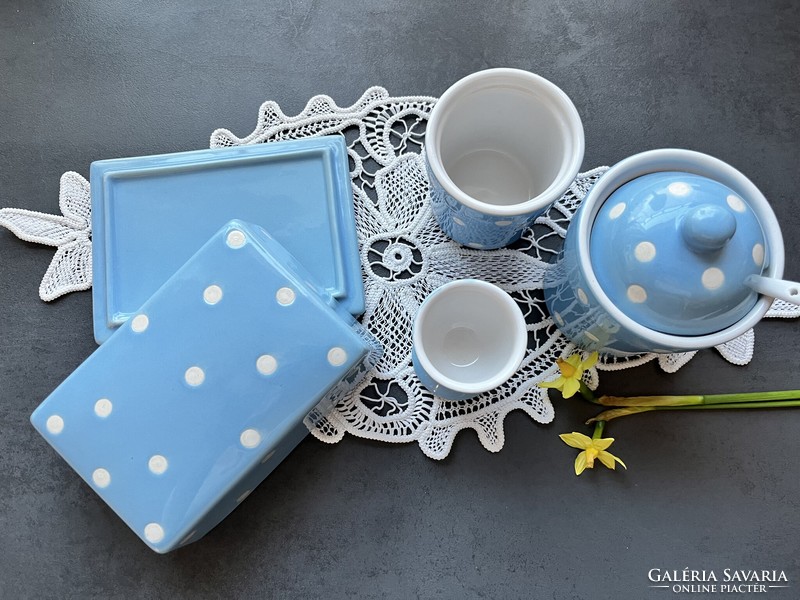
347 285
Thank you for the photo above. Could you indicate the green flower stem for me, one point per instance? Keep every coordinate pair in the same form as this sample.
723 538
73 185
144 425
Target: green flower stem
650 400
615 413
598 429
587 393
709 399
751 397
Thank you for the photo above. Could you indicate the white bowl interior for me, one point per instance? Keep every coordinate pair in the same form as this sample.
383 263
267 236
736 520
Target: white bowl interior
505 137
470 335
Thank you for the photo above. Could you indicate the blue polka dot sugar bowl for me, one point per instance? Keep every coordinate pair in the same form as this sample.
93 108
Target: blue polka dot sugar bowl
668 253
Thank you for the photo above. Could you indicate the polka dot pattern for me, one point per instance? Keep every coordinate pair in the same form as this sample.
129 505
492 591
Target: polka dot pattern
337 356
679 188
103 407
266 364
458 222
713 278
153 533
157 464
645 251
136 445
236 239
55 424
637 294
758 255
212 294
250 438
617 210
101 478
285 296
736 203
140 323
194 376
582 297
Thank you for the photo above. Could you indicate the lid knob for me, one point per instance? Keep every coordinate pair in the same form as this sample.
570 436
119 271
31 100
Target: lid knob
707 228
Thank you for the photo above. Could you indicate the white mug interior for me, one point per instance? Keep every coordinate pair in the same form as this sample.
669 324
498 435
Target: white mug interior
470 336
505 141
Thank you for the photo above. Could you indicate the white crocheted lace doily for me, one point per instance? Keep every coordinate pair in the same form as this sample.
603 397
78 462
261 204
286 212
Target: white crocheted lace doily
71 232
404 257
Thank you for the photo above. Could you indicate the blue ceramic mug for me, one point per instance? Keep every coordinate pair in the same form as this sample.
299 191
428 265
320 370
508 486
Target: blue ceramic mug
501 146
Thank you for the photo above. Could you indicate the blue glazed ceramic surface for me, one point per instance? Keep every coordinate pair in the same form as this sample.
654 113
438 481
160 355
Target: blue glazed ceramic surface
151 213
501 145
672 251
728 232
578 314
471 227
197 397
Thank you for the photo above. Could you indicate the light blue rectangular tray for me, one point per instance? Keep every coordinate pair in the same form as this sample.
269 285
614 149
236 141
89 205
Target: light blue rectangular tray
151 213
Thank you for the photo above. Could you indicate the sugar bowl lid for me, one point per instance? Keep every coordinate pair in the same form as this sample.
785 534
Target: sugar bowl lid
672 251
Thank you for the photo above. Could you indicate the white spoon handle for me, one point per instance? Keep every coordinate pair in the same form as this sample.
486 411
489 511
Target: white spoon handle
775 288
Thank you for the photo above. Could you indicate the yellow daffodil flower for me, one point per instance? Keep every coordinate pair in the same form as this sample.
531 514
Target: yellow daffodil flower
572 370
592 449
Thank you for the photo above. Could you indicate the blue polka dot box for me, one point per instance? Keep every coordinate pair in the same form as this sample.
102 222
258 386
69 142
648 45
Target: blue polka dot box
197 397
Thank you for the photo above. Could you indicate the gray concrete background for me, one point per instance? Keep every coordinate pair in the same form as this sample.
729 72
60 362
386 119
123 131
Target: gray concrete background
81 81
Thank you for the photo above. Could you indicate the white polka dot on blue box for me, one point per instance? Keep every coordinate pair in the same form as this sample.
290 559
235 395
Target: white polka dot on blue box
196 399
